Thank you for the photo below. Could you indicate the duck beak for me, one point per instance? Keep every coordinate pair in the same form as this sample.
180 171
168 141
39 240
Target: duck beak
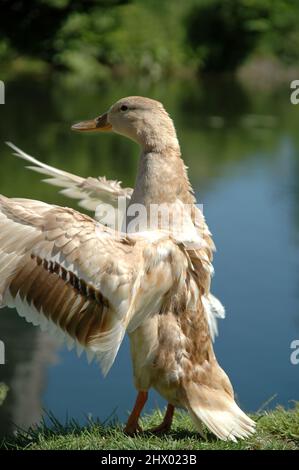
101 123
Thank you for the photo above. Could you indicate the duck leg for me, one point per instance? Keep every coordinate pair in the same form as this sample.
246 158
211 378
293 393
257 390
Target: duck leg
166 423
132 426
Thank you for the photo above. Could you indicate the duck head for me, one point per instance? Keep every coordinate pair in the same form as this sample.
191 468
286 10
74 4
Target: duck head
143 120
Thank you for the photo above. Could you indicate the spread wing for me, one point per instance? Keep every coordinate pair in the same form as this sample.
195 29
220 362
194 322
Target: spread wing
91 192
82 281
95 193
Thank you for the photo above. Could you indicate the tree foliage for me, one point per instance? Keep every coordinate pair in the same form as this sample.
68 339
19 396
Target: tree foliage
155 37
33 27
222 34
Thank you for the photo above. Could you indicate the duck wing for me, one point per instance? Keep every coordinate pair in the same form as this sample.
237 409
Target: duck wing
93 194
82 281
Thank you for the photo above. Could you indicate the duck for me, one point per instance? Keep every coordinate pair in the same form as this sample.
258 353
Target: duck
90 283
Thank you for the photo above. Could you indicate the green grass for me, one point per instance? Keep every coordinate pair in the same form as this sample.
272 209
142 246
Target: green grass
278 429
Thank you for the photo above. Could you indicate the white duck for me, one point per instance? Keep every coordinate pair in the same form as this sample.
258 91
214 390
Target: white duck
90 283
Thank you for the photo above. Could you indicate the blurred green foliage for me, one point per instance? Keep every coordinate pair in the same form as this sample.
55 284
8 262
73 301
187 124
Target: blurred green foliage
97 38
222 34
93 38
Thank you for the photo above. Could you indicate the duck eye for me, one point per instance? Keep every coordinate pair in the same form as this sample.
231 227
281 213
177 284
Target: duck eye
124 107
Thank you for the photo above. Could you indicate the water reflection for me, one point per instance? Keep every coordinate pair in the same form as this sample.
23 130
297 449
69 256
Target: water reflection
28 354
242 149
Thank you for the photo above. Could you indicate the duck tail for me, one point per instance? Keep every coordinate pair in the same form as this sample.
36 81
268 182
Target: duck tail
219 412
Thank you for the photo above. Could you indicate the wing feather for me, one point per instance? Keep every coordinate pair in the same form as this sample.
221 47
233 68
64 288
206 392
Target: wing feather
91 192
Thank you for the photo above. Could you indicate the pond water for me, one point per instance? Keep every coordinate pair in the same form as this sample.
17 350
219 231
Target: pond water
242 147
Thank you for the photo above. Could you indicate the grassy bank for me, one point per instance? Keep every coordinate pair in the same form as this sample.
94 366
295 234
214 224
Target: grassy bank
278 429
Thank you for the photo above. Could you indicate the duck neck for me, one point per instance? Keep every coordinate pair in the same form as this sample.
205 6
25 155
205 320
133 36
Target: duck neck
162 177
